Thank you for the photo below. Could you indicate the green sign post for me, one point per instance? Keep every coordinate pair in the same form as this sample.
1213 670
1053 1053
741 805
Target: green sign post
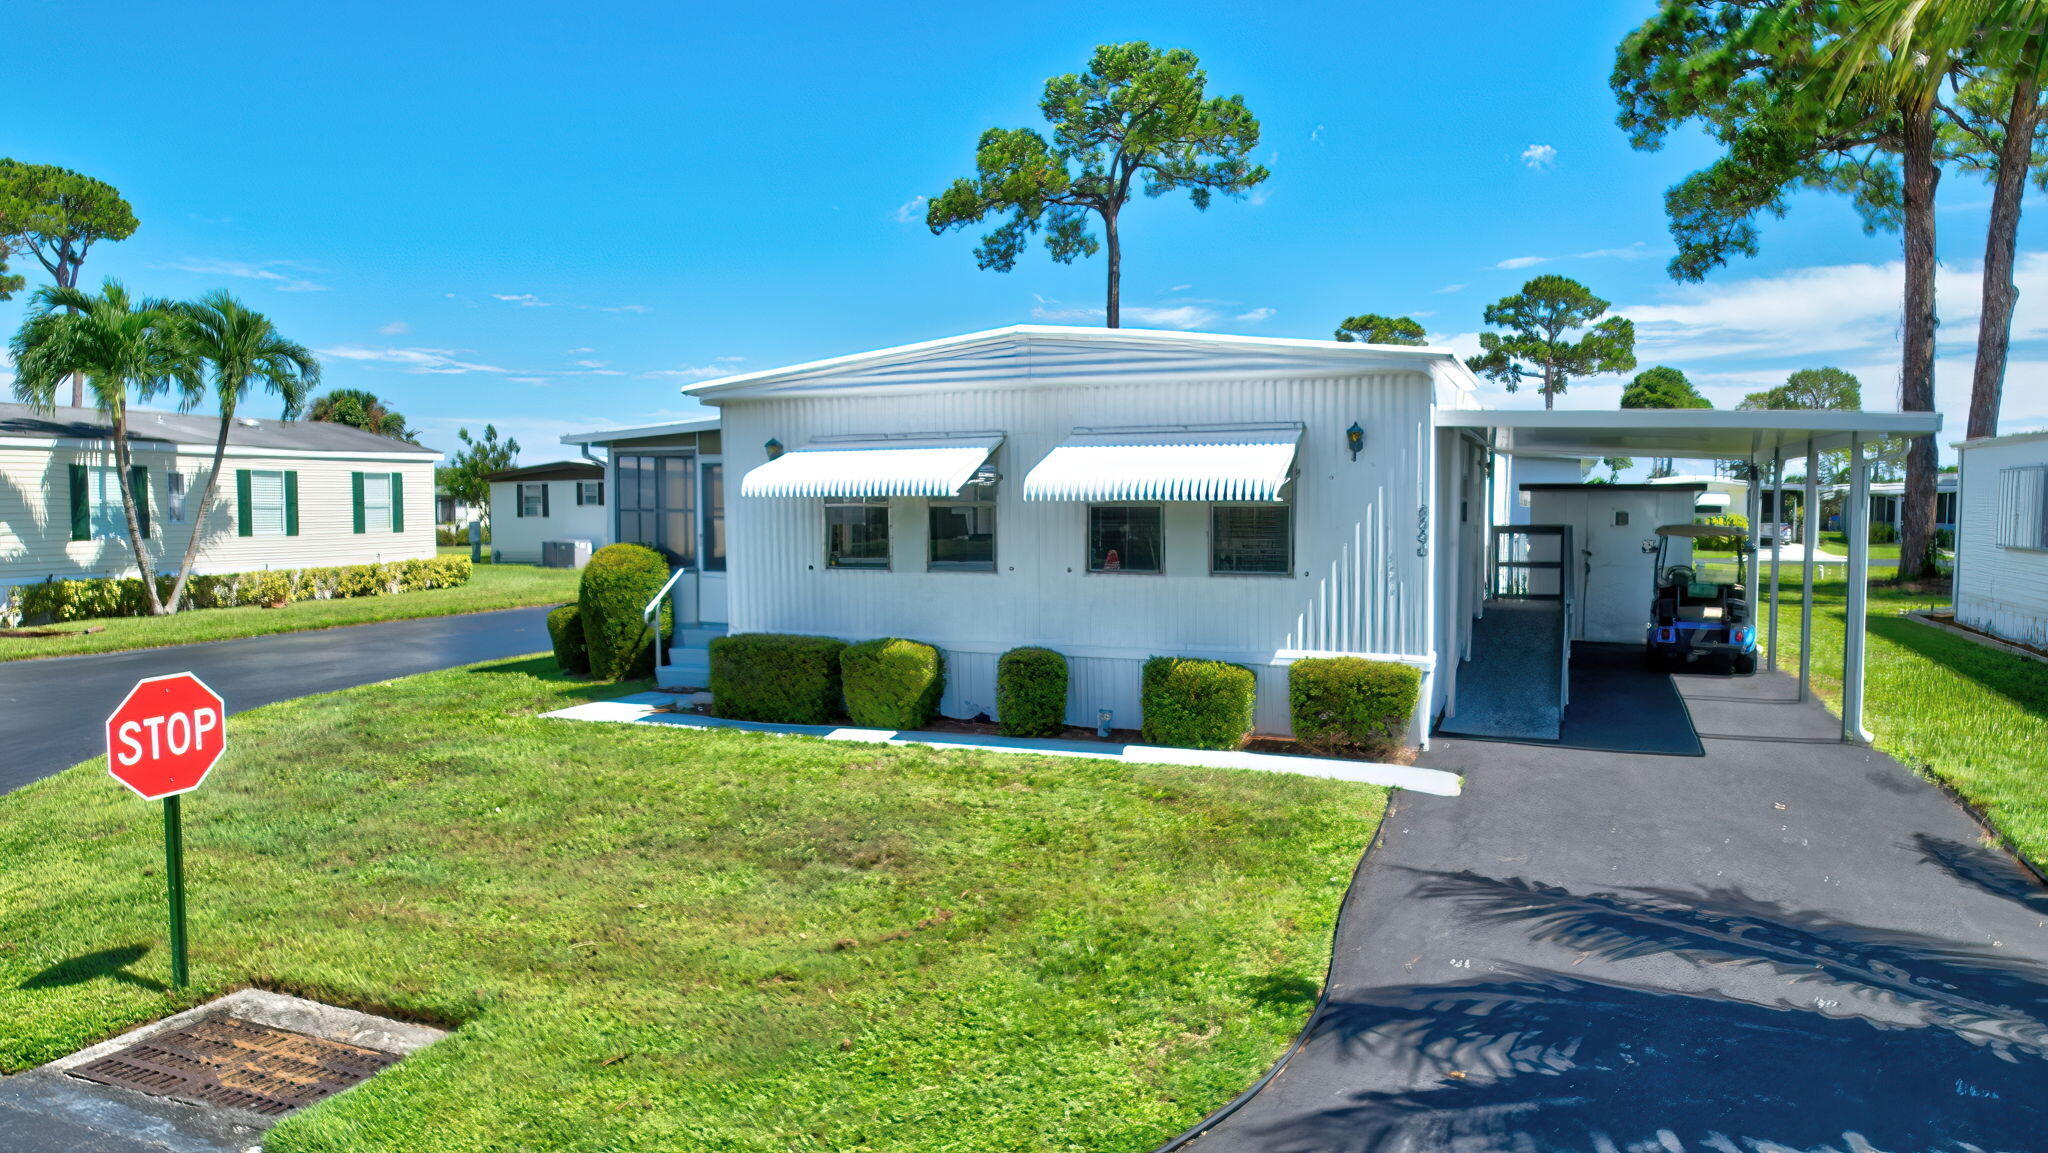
162 740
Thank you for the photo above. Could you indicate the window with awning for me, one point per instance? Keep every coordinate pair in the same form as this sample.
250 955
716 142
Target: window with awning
928 467
1209 463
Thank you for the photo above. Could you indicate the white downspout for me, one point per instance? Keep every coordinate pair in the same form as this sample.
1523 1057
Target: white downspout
1853 628
1809 536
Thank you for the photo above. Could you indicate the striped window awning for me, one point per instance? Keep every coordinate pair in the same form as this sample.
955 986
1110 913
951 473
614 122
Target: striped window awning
1241 462
881 467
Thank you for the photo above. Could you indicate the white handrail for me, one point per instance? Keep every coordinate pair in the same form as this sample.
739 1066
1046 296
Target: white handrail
650 616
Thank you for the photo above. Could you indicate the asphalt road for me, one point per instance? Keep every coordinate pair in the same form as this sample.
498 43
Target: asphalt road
1787 944
51 710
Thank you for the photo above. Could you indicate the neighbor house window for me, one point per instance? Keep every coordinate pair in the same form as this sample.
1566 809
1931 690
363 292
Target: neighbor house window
377 501
533 500
1126 538
1251 539
656 499
178 485
857 533
108 518
266 502
2022 507
714 518
963 530
589 492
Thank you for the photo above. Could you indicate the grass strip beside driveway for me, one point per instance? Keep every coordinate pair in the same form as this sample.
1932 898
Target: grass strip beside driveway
1972 717
491 586
652 939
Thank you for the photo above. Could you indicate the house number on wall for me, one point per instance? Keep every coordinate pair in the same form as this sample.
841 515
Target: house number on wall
1422 531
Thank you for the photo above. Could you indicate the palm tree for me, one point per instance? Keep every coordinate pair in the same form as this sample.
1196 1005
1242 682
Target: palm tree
115 343
235 349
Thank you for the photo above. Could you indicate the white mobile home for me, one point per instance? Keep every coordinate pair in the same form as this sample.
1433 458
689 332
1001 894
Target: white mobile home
1117 494
293 494
2001 577
562 502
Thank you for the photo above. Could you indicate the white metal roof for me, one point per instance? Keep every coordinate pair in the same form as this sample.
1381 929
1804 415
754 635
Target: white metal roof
671 428
1243 462
1063 355
1691 433
935 466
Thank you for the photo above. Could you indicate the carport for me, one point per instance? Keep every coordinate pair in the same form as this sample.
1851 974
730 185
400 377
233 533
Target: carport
1764 440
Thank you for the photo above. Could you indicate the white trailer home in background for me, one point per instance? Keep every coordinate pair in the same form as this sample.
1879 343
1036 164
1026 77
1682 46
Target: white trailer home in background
2001 577
560 503
1117 494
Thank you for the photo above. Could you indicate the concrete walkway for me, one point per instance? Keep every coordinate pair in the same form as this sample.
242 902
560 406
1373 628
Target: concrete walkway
52 711
1790 944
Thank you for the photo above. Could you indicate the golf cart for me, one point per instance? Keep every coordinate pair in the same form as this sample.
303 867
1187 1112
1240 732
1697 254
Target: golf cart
1698 621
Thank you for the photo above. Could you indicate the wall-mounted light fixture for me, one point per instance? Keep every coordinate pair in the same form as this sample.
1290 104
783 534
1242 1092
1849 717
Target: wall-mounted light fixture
774 448
1354 439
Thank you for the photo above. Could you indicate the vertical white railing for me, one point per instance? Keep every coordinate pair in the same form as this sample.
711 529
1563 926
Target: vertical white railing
650 616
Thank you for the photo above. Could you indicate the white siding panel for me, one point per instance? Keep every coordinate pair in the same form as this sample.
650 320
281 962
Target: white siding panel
2000 588
518 538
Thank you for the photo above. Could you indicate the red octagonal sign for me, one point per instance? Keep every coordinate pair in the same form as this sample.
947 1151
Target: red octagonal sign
165 735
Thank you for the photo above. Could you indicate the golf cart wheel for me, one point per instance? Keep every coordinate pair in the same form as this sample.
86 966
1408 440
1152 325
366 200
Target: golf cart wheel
1745 663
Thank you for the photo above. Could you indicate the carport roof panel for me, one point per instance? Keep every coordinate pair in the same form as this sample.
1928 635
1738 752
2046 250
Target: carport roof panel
1683 433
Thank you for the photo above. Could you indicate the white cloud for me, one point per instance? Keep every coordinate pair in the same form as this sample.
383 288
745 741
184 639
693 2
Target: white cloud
433 361
634 308
1539 156
1256 315
1180 288
1452 288
592 363
723 366
911 211
527 379
283 275
1315 134
395 328
1636 251
574 351
522 299
1523 262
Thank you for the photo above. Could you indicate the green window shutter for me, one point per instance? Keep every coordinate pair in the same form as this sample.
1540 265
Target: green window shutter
544 498
579 492
81 505
291 503
138 480
397 502
518 500
245 525
355 482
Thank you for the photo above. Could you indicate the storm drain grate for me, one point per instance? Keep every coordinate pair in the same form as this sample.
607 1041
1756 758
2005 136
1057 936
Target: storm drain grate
230 1063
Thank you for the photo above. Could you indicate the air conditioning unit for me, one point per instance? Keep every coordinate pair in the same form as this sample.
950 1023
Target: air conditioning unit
564 553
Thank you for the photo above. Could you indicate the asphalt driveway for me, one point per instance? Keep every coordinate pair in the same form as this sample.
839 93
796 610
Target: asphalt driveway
51 710
1790 944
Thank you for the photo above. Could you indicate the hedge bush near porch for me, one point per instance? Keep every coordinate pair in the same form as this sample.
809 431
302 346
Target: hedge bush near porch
892 683
1195 704
1351 706
782 678
1031 692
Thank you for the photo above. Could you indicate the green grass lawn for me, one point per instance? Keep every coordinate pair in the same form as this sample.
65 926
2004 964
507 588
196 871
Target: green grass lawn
659 939
490 587
1969 716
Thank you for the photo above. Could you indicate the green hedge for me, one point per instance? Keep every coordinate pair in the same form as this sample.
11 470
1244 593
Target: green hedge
1031 692
779 677
1350 706
892 683
1737 540
565 629
1197 704
100 597
617 584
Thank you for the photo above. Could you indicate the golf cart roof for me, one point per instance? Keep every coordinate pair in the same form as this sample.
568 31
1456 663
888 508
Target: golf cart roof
1695 531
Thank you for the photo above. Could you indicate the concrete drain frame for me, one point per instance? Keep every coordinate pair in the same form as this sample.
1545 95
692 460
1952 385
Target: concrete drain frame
216 1076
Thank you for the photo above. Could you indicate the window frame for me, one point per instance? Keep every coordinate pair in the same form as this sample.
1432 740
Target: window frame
656 463
256 505
590 493
2010 527
372 522
1284 507
960 500
1088 538
888 561
710 517
526 489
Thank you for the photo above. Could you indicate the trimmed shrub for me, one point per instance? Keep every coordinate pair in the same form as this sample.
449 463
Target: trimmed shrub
617 584
1350 706
95 598
1195 704
565 629
1736 540
778 677
1031 692
892 683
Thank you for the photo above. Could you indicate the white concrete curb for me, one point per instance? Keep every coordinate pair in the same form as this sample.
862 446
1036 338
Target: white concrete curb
641 709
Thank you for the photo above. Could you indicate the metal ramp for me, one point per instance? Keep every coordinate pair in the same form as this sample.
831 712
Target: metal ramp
1517 681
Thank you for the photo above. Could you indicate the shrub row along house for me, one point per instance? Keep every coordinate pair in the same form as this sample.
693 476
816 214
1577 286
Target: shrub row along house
1116 495
293 495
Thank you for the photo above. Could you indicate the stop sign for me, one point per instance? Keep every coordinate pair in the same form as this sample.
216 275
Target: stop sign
165 735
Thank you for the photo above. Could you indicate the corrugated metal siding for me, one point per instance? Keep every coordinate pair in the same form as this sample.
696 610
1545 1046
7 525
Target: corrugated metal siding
35 518
2000 588
1359 584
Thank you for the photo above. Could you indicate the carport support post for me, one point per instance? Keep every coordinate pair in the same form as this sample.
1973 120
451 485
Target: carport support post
1777 539
1809 537
1856 519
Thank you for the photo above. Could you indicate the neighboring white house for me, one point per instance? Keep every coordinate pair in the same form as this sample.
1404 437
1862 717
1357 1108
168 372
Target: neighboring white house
293 494
1888 497
1718 495
667 488
1119 494
2001 577
560 501
452 512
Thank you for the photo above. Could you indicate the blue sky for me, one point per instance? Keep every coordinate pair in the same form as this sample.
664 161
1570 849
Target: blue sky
552 217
